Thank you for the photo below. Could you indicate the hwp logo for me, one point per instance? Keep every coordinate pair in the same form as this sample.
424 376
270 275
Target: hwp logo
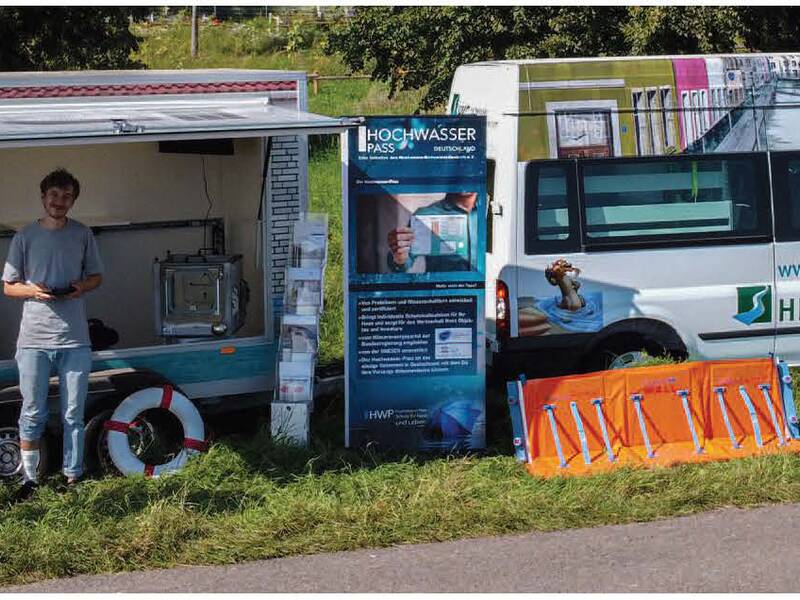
378 415
754 304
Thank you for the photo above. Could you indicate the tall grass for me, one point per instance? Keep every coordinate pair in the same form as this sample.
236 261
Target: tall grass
325 195
252 500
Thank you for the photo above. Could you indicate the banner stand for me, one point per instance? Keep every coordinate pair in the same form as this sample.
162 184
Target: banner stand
415 241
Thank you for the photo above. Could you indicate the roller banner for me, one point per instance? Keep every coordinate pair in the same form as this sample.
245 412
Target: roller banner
415 206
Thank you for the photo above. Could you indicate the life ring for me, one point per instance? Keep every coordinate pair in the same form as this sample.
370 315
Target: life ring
164 397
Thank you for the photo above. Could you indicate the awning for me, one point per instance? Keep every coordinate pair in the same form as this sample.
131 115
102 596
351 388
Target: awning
121 119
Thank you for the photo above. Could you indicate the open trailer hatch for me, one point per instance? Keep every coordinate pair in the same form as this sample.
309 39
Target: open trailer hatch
80 120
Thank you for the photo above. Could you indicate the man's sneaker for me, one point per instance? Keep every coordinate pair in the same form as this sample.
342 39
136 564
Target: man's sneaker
26 490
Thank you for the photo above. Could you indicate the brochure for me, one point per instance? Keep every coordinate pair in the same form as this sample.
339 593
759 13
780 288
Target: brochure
299 337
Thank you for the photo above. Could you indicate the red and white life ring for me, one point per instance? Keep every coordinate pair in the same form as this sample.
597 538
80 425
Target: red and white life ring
164 397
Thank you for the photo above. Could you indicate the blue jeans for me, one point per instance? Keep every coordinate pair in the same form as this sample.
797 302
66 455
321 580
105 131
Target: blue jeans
72 366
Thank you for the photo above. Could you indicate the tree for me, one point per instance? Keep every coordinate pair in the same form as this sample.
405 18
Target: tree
414 47
771 28
683 30
66 38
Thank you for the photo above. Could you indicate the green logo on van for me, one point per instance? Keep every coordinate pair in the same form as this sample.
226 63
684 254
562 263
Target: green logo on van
754 304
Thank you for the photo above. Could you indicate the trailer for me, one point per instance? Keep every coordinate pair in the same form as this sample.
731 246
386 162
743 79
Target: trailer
197 167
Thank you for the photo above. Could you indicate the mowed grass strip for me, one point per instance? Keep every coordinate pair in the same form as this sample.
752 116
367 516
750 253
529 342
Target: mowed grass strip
254 499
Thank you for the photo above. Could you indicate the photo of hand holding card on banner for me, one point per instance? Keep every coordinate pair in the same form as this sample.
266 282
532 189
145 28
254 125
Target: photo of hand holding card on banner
417 233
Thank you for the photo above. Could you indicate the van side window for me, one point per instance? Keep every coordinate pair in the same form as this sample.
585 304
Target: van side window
685 198
489 200
551 208
786 193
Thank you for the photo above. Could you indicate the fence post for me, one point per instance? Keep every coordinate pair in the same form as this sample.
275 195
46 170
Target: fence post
314 82
194 32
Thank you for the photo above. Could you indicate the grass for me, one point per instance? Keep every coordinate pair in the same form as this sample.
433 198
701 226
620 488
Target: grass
250 498
251 45
245 45
325 196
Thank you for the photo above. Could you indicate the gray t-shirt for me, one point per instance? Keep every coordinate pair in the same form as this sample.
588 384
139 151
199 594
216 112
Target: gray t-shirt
54 258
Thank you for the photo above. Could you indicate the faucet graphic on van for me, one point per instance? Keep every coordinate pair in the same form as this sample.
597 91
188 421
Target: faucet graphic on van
562 274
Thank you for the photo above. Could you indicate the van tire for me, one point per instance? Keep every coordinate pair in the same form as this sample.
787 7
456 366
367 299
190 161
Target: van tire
607 352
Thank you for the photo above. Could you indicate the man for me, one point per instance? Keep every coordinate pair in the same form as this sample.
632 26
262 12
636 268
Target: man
51 264
401 239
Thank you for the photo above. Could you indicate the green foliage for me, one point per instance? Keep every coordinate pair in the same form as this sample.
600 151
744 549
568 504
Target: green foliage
301 36
47 38
683 30
771 28
420 47
251 44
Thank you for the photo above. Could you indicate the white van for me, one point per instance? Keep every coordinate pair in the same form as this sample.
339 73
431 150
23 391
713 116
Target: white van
648 203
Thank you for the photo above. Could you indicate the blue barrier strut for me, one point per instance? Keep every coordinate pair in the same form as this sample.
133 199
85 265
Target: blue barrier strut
684 394
516 412
581 433
720 392
637 403
549 408
765 387
787 397
601 419
753 417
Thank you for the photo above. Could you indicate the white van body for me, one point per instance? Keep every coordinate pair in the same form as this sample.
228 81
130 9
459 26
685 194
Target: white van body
663 217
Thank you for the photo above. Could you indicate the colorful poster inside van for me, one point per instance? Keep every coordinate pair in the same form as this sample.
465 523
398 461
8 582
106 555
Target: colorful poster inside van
649 106
415 333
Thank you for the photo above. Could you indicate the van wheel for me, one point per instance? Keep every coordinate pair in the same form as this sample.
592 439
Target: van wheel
11 455
621 353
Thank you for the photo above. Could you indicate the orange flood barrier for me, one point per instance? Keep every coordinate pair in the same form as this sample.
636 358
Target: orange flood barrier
660 415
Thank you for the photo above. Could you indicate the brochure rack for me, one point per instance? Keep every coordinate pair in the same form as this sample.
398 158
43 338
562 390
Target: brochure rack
299 330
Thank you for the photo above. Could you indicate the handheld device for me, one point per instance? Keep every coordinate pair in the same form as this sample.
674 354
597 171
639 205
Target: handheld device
62 291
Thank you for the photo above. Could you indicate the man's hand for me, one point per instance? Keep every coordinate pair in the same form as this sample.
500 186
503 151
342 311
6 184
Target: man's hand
400 240
39 291
85 285
79 288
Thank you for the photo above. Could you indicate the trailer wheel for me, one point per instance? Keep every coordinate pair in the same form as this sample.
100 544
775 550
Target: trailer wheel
11 455
142 437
